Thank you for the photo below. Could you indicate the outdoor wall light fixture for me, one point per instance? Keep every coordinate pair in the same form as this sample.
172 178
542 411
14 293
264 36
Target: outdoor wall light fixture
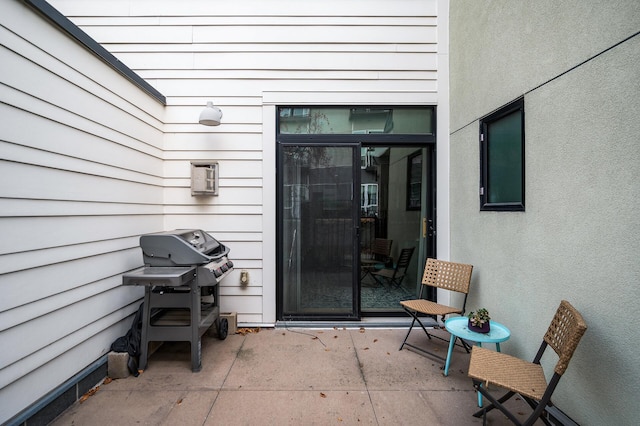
210 115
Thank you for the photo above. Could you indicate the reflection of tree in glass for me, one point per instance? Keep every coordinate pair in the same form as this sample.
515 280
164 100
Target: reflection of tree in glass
307 156
317 123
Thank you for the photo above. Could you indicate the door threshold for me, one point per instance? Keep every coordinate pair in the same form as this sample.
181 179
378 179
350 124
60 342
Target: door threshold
390 322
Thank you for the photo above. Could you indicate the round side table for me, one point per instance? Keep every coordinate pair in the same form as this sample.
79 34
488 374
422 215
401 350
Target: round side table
458 327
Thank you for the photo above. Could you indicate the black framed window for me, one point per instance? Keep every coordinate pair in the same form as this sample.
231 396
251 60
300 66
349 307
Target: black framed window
502 158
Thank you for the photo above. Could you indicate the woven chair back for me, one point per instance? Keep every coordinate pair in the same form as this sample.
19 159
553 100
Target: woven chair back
447 275
381 247
564 334
405 258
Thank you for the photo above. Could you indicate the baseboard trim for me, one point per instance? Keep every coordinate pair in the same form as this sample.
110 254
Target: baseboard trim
47 408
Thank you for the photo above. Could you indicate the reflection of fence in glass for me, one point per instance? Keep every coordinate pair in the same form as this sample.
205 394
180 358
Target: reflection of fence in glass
414 182
369 200
331 197
293 198
331 245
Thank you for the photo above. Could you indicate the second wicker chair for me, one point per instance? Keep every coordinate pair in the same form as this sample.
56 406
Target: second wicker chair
525 378
437 274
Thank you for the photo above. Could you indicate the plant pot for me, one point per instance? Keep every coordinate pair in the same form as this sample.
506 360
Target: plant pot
484 329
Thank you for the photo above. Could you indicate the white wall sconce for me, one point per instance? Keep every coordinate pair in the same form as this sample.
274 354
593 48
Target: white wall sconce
210 115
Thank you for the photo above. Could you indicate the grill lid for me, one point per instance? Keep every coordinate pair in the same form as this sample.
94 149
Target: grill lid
181 247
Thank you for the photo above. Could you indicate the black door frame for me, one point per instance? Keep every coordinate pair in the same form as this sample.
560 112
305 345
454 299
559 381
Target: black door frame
355 285
375 139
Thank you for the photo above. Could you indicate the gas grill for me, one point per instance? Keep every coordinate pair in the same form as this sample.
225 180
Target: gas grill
181 275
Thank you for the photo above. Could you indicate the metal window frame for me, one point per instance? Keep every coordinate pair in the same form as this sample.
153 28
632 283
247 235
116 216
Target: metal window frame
485 167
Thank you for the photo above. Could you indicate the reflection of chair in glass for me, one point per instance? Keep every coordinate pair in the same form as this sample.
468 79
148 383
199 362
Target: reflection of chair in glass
439 274
380 256
527 378
395 275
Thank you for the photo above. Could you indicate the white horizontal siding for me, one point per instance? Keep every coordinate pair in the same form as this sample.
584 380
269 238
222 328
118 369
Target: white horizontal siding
47 115
274 47
238 114
313 61
216 223
290 8
229 168
44 306
243 19
204 208
103 163
31 285
219 143
81 177
70 354
230 91
68 230
87 74
41 335
313 97
246 54
16 207
215 134
234 196
204 9
73 184
252 289
288 75
221 20
19 261
327 32
224 183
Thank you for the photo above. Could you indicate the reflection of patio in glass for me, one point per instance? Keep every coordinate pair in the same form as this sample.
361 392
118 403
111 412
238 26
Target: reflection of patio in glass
320 292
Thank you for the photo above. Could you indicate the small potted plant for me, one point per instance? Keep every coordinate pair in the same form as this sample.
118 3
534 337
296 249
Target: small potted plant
479 321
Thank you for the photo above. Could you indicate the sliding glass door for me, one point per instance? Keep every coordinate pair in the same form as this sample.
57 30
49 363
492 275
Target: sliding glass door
349 179
319 230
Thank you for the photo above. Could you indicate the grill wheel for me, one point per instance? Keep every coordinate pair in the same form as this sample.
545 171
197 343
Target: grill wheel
223 328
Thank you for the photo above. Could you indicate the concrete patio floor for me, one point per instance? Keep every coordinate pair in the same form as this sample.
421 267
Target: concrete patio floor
294 376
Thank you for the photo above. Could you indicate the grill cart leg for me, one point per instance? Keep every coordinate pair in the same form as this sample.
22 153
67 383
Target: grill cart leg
196 348
144 336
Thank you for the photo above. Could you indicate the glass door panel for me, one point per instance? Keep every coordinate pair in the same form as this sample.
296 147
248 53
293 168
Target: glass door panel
318 231
394 200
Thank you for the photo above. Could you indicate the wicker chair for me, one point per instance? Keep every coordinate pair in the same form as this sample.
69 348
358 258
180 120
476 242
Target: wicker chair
395 275
527 378
381 255
438 274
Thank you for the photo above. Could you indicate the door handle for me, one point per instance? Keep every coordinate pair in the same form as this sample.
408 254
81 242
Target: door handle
427 228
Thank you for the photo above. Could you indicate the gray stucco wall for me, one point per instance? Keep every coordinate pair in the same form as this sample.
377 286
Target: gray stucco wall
578 239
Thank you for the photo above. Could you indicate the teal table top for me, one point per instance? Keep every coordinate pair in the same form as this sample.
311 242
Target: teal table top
458 327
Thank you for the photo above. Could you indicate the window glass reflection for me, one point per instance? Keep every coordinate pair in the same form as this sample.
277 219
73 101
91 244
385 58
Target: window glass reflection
329 120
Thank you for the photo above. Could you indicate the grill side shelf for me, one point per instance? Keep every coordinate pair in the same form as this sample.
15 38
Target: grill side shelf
160 276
